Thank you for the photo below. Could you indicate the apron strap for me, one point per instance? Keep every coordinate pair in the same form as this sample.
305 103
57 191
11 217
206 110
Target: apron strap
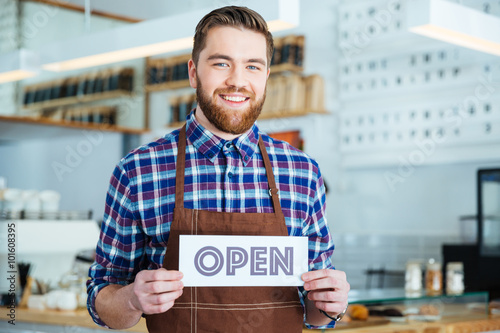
181 165
273 190
179 169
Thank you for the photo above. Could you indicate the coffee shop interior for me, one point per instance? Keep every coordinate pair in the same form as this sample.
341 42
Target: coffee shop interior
397 100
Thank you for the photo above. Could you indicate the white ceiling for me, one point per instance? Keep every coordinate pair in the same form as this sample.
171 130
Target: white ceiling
147 9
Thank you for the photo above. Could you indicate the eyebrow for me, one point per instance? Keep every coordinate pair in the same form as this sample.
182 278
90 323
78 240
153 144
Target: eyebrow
226 57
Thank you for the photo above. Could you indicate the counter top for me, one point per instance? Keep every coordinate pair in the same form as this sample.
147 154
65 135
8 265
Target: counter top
78 317
449 325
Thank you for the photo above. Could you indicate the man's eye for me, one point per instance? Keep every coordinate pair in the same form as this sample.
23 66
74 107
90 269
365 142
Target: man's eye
253 67
221 65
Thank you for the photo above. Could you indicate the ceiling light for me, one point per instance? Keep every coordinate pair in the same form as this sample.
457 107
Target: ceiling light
456 24
17 65
152 37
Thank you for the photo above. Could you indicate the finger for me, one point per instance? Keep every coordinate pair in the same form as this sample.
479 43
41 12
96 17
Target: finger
158 275
325 296
322 273
335 308
158 287
151 304
159 299
160 308
325 283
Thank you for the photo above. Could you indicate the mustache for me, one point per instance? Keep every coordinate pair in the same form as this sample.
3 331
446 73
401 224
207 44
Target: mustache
226 91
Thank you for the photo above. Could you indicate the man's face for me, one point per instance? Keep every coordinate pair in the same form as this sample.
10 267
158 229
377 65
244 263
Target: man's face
230 78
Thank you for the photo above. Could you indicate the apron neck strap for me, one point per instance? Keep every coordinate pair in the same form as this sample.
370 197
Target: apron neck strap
273 190
181 165
179 169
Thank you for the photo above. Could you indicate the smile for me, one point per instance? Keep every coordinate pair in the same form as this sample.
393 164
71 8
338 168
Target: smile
234 98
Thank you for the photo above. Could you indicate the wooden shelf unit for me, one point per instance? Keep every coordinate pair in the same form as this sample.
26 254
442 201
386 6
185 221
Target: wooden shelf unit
77 125
77 99
167 86
282 68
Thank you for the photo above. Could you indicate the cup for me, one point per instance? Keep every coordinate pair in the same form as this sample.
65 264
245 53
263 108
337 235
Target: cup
50 200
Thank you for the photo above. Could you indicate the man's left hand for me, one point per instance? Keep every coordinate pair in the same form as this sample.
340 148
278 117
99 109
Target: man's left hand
328 290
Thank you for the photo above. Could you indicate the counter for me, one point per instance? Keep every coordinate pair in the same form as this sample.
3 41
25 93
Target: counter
458 314
81 318
77 318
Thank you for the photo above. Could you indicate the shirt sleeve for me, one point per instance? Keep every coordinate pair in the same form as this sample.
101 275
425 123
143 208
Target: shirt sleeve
120 247
320 240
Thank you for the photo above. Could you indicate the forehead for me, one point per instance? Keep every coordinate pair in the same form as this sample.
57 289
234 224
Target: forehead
235 42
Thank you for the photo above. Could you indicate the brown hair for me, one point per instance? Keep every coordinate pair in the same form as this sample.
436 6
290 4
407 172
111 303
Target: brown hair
232 16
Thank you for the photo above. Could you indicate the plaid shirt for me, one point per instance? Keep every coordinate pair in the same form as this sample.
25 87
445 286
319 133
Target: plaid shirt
222 176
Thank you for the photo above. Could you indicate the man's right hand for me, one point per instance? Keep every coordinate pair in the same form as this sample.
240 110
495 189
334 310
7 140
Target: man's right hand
155 291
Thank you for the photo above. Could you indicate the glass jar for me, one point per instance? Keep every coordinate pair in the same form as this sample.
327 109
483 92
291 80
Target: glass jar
433 278
413 277
454 278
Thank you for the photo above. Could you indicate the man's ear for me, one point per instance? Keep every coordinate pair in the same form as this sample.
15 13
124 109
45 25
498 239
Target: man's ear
192 73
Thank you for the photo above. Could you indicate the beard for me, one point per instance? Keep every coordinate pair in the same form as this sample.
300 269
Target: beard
228 120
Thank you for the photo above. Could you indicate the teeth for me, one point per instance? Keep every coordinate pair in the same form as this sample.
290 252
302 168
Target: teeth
234 98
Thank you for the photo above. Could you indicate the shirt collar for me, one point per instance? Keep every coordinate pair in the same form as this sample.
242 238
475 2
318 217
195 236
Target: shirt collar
210 144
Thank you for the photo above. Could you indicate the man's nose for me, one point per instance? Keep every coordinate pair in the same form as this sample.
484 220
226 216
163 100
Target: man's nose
237 78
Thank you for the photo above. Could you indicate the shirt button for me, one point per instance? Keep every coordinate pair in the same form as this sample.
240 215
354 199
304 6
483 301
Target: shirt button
228 145
246 157
230 175
211 155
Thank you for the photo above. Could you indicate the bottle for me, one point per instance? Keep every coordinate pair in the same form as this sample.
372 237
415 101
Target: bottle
413 278
433 278
454 278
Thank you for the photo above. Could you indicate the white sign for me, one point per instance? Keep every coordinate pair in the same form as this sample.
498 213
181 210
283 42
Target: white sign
221 261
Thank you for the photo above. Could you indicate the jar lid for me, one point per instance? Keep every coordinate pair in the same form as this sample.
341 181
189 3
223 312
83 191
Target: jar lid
456 265
435 266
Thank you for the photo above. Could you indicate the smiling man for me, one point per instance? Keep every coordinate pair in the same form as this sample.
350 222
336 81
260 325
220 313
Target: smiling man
217 175
234 75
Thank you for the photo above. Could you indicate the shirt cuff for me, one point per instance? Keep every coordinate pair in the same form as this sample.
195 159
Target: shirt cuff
92 294
330 325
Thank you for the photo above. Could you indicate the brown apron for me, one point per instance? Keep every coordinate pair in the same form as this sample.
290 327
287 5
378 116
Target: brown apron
226 309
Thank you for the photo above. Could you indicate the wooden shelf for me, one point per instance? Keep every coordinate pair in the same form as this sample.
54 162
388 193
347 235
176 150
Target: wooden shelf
280 68
263 116
167 86
77 99
79 125
177 124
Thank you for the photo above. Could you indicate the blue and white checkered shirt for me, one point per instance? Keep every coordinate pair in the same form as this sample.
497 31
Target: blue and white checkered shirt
222 176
